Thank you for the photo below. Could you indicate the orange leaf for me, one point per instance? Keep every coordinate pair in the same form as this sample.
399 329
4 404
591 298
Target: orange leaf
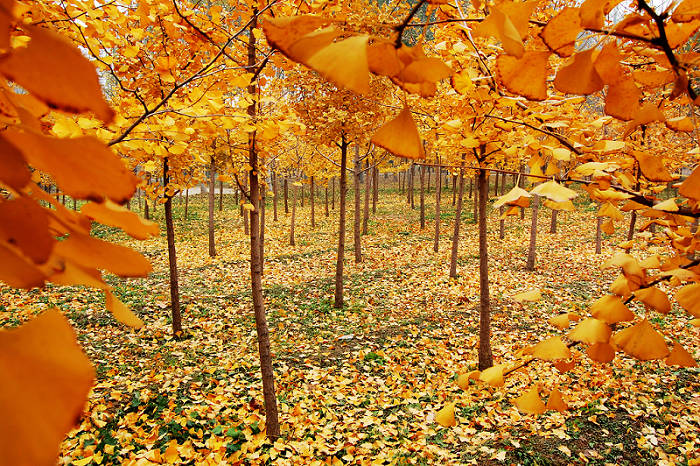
17 271
601 352
556 401
561 31
622 100
120 312
344 63
56 72
654 298
524 76
383 59
641 341
97 254
400 136
109 213
45 381
591 331
25 224
607 64
680 357
446 416
579 77
530 402
13 169
610 309
652 167
689 298
690 188
551 349
83 167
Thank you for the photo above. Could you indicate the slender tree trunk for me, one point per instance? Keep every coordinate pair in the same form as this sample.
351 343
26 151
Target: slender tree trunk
458 221
375 189
427 177
476 196
262 229
357 214
598 235
187 202
485 355
422 197
368 188
172 257
633 217
553 222
471 187
292 224
312 198
436 240
272 426
338 298
221 196
212 178
244 213
502 222
274 196
326 200
301 195
145 208
333 193
454 189
286 195
521 183
76 208
495 185
532 251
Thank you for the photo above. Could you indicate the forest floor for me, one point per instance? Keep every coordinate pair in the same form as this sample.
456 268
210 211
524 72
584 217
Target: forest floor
362 384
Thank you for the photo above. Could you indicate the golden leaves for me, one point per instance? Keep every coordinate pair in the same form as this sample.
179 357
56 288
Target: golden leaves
344 63
580 76
611 309
591 331
446 416
57 73
689 298
690 188
641 341
516 196
652 167
530 402
551 349
104 176
524 76
561 31
45 380
400 136
554 191
109 213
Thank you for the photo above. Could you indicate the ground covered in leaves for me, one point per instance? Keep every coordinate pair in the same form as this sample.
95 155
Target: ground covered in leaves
363 384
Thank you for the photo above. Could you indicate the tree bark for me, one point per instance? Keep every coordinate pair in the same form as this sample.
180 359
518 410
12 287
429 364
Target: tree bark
458 221
502 222
326 200
532 250
375 189
485 355
357 214
172 258
292 222
312 198
221 196
333 193
427 179
436 240
338 298
272 426
471 187
422 197
187 202
454 189
476 196
368 188
145 208
553 222
262 229
598 235
286 195
274 196
301 194
212 178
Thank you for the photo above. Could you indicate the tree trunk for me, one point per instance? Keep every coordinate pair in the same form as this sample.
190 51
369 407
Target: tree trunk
454 189
368 188
272 426
76 208
301 195
375 189
274 196
422 197
427 178
495 185
262 229
476 196
338 298
187 202
286 195
436 241
598 235
521 183
357 214
458 221
221 196
326 200
212 178
312 198
172 257
485 355
531 253
471 187
553 222
244 213
633 220
292 223
333 193
145 208
502 222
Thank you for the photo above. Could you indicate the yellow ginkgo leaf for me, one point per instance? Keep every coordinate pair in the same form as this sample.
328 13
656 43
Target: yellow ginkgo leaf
580 76
561 31
608 209
690 188
689 298
344 63
641 341
109 213
622 99
530 402
652 167
45 381
669 205
679 356
527 296
560 321
591 331
554 191
493 375
525 76
498 24
566 205
446 416
556 401
654 298
511 197
601 352
551 349
400 137
308 45
121 312
611 309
